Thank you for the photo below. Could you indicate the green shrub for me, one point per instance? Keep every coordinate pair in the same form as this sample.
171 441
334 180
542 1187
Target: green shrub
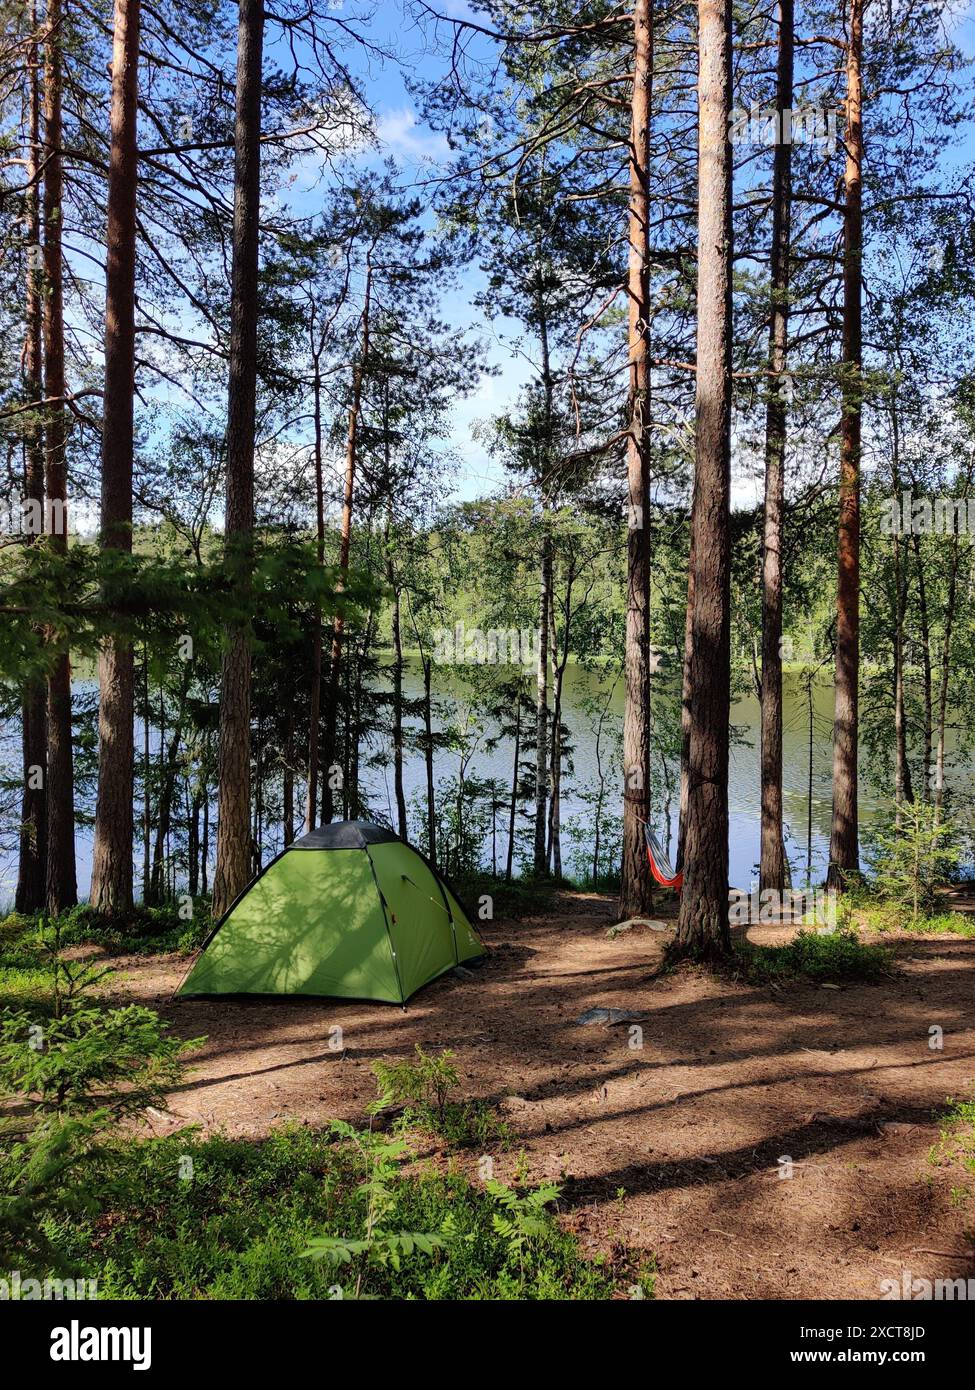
377 1247
25 969
525 896
217 1218
913 862
142 930
944 924
45 1178
423 1088
820 956
69 1071
115 1061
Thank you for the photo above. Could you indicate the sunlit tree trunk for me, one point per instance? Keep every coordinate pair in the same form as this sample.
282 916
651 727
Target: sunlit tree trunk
32 857
111 879
844 853
62 886
541 700
703 923
345 544
903 790
772 866
315 695
233 864
513 806
635 882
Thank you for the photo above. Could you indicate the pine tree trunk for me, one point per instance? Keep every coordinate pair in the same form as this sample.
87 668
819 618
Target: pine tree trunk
924 623
315 696
943 682
233 864
400 790
636 895
559 662
685 698
205 840
772 864
32 856
513 807
257 831
345 544
111 878
428 761
703 923
288 787
168 769
541 701
944 674
555 735
903 791
193 846
146 767
844 853
62 885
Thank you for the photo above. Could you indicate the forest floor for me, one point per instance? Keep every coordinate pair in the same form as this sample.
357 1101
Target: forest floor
675 1147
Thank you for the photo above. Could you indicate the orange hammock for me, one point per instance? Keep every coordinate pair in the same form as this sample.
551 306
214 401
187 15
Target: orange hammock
660 865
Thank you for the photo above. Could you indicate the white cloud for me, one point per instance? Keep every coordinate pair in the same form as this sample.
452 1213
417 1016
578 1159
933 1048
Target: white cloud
399 133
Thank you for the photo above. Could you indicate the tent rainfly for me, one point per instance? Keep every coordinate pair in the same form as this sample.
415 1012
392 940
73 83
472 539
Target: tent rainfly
347 911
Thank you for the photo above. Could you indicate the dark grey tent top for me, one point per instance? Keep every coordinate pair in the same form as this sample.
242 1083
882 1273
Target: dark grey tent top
344 834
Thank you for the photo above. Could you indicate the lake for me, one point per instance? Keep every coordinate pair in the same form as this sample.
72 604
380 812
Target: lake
582 684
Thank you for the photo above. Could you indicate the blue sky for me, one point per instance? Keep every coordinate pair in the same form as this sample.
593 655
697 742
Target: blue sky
402 135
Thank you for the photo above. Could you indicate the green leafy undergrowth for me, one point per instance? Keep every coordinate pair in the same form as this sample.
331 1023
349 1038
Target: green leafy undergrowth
189 1218
824 957
424 1087
143 930
957 1140
877 915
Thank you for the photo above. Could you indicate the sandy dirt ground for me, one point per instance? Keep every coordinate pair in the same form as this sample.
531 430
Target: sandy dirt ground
678 1146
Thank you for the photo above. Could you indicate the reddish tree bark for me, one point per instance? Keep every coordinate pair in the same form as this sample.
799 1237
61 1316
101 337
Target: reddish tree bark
111 879
844 854
233 862
315 694
636 895
703 923
62 886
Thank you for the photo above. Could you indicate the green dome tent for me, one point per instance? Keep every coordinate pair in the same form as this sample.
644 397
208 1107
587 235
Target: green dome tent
349 910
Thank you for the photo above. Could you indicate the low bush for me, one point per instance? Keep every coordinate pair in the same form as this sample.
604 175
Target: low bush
142 930
819 956
191 1218
423 1088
